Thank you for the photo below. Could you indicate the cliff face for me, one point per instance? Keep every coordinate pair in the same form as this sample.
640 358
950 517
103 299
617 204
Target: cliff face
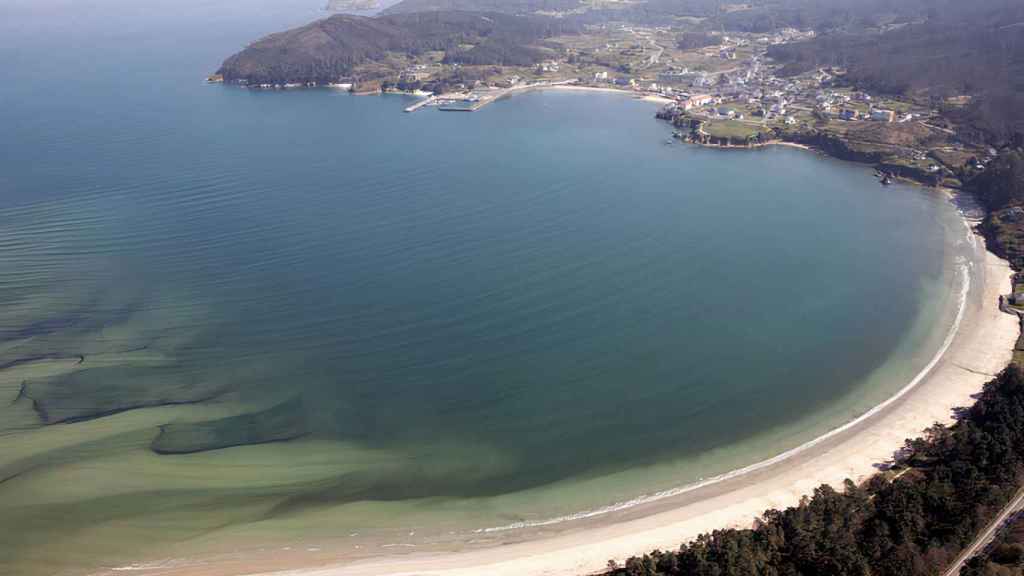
834 146
911 173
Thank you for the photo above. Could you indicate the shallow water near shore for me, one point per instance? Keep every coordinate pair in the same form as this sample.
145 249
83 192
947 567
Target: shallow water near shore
445 322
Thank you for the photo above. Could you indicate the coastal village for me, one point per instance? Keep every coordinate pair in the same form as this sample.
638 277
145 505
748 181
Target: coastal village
722 89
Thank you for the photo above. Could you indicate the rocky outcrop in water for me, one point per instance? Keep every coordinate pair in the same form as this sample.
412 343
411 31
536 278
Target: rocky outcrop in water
279 423
105 390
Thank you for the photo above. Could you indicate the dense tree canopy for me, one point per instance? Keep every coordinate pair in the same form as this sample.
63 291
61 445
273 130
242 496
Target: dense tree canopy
330 48
1002 183
1006 556
695 40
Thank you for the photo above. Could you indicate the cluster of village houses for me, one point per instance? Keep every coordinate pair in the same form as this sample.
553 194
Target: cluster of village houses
755 88
749 88
744 87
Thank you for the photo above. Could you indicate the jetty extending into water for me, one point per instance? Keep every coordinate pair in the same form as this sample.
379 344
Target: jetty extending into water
425 102
478 98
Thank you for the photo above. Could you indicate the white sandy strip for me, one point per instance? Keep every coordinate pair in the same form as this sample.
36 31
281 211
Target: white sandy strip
647 97
577 88
979 347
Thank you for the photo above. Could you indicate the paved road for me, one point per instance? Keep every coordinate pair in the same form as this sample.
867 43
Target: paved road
987 535
933 127
654 58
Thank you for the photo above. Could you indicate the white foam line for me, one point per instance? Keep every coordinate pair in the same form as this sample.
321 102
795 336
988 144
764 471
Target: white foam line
964 269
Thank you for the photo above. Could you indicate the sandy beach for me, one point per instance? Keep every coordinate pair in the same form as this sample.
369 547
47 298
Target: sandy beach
577 87
977 346
639 95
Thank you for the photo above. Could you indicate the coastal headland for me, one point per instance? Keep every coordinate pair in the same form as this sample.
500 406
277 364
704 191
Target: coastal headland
735 90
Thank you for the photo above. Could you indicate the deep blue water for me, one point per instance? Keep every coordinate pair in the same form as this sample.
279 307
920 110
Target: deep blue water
544 281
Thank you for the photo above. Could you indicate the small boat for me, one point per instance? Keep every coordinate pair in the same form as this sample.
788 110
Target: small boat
887 180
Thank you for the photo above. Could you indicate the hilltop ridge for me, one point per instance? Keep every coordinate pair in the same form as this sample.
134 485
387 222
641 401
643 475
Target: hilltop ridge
331 48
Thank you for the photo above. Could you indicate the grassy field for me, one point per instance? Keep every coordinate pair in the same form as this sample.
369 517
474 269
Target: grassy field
730 129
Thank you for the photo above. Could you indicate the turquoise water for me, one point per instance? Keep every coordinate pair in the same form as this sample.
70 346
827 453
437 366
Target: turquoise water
471 320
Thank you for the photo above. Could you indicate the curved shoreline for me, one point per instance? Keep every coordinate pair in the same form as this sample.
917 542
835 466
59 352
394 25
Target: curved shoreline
965 286
978 345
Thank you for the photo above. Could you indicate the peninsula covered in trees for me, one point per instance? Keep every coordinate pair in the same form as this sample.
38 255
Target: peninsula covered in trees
332 48
964 62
